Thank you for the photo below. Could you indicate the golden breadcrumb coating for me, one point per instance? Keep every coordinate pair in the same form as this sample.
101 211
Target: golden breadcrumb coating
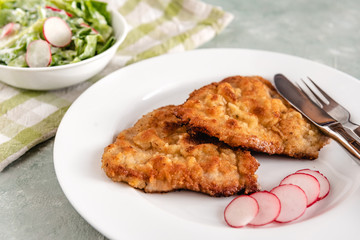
248 112
158 155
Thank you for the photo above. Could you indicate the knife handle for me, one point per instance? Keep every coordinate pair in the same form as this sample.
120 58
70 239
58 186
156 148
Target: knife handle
352 127
346 140
357 131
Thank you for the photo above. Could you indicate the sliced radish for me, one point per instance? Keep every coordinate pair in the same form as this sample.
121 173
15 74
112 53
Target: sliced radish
323 181
58 10
57 32
269 208
88 26
7 29
240 211
293 202
306 182
38 54
53 8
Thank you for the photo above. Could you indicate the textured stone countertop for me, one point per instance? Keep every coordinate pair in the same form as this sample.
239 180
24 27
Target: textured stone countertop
32 204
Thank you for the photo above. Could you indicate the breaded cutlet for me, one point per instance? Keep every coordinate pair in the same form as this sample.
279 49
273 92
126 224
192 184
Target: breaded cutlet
247 112
158 155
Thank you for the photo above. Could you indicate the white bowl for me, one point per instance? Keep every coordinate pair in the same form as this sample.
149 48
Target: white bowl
49 78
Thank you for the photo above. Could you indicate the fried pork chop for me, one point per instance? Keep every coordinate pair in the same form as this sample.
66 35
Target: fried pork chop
248 112
158 155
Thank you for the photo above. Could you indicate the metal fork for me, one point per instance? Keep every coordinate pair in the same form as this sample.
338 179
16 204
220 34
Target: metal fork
333 108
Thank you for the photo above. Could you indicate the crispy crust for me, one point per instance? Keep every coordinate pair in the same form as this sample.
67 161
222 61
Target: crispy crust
248 112
158 155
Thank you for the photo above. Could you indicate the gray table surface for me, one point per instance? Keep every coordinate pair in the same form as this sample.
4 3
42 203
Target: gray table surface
32 204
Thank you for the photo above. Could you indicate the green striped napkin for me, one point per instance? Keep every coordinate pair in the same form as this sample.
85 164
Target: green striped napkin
157 27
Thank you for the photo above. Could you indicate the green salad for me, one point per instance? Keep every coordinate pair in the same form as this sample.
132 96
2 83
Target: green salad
40 33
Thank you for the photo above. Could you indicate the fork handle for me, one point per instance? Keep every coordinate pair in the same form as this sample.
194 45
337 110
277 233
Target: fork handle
346 140
353 127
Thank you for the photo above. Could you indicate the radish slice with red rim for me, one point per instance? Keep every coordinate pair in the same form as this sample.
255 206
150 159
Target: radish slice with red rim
240 211
7 29
293 202
38 54
323 181
88 26
306 182
58 10
57 32
269 208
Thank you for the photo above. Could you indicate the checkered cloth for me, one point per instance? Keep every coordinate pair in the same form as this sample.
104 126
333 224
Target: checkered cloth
157 27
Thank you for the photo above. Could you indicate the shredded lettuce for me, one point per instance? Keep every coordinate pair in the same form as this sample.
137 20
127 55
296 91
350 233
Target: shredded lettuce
89 21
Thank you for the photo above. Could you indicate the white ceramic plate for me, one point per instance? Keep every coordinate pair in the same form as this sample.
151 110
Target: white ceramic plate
116 102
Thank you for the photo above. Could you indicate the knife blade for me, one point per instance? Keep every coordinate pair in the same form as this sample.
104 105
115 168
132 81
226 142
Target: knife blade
316 115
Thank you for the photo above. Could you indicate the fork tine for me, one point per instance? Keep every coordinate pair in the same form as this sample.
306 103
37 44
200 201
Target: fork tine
299 87
310 96
321 91
314 94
